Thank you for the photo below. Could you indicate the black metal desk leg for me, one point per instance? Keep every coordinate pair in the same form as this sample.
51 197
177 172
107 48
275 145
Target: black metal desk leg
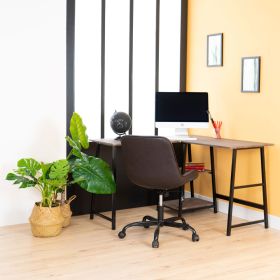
265 212
231 192
190 159
213 177
92 201
97 151
113 195
113 212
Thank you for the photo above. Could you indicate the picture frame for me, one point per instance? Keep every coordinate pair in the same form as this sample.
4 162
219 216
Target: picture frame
215 50
250 74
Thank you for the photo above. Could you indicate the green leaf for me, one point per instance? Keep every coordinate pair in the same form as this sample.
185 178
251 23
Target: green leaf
11 176
55 184
28 167
59 169
74 144
78 130
94 175
45 169
24 182
76 150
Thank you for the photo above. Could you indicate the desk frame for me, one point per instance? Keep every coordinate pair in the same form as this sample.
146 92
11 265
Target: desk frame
231 197
93 195
213 178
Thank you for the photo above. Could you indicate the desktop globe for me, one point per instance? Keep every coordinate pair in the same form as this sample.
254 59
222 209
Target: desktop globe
120 123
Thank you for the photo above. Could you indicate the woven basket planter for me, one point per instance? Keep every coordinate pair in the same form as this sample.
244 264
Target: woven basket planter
66 211
46 221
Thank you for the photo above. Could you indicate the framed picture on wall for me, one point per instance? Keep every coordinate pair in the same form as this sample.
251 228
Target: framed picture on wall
215 50
250 78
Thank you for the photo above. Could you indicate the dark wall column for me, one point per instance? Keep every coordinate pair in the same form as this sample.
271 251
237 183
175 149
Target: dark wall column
70 63
130 102
157 50
103 14
183 46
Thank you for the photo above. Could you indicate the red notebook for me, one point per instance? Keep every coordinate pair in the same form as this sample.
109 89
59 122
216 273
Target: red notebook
199 166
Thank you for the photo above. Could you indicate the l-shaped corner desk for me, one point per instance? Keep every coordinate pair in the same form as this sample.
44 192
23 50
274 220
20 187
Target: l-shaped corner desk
122 200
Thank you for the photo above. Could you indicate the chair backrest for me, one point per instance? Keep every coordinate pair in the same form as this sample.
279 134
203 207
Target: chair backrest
150 162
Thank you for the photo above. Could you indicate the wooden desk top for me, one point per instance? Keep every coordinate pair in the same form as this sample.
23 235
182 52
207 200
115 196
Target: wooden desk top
201 140
116 143
107 142
226 143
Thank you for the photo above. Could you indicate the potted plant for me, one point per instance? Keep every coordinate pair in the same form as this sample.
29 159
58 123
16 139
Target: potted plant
90 173
50 179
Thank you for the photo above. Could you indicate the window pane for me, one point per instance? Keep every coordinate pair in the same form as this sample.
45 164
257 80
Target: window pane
88 64
169 45
116 60
144 67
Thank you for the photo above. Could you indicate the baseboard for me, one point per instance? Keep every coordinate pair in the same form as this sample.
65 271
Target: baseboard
241 212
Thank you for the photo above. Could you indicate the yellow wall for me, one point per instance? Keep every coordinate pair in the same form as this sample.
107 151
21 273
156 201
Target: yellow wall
250 28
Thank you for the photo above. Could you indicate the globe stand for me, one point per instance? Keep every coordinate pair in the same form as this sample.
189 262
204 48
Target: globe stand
120 136
120 123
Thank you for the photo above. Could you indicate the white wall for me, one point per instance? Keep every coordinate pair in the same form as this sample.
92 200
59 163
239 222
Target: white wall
32 94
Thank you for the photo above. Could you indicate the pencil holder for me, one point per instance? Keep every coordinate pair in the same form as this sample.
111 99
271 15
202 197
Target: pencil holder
217 126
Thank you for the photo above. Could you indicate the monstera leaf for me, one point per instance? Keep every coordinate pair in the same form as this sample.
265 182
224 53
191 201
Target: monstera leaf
94 175
25 174
59 169
28 167
24 182
78 131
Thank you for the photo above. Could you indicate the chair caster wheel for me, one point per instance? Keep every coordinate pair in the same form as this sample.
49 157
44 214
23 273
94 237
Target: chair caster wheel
122 235
146 226
195 237
155 244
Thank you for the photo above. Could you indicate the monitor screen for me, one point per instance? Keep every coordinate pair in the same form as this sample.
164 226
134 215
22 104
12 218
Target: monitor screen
181 108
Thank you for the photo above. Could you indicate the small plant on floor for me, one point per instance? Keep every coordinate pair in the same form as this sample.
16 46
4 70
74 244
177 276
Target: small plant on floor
48 178
91 173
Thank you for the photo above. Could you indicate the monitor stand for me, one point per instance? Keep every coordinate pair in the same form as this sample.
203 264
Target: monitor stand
183 134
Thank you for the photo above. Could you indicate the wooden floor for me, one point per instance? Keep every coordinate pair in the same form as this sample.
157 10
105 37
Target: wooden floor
91 250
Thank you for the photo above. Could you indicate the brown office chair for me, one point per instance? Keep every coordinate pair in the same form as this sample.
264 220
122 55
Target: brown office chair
150 162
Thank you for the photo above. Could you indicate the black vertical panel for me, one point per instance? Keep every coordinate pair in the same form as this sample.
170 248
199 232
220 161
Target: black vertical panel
70 66
103 11
130 102
157 50
157 44
183 44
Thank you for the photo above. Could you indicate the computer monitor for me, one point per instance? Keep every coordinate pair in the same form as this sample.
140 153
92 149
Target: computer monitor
181 110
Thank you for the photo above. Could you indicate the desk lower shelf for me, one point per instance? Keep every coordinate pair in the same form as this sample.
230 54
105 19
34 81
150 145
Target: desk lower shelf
189 204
